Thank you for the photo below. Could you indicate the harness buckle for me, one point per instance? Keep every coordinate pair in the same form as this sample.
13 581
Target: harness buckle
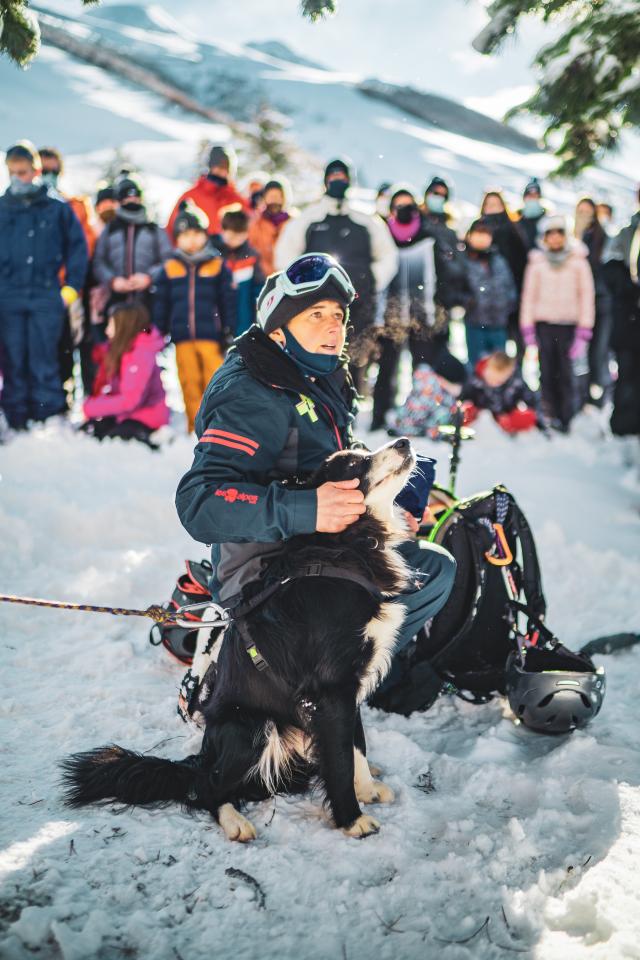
314 570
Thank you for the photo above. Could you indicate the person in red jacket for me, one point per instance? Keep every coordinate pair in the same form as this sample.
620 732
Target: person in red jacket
212 192
131 404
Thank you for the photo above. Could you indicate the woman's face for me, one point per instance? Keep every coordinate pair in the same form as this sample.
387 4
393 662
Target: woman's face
585 211
493 204
320 329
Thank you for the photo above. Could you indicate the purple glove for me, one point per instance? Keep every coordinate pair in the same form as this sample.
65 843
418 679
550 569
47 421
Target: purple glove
529 336
579 346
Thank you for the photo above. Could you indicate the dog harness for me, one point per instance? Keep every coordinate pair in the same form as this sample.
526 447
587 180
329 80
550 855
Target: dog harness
238 612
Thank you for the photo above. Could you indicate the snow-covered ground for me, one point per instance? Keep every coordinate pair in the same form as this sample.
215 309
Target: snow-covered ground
541 835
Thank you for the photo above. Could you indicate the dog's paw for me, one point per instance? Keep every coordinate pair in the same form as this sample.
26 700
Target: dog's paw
375 791
364 826
235 826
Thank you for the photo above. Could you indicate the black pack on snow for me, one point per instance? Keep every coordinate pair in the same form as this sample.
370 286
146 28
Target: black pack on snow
471 637
474 646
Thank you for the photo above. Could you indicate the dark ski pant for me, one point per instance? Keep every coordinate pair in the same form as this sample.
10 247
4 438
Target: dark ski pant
557 380
30 332
482 341
437 570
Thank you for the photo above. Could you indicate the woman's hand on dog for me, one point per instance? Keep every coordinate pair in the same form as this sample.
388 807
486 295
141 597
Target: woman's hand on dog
339 505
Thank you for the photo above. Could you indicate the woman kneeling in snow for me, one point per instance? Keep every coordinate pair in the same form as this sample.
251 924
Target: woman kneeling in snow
129 399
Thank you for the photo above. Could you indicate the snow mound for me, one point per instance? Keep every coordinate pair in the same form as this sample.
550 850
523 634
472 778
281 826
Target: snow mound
540 835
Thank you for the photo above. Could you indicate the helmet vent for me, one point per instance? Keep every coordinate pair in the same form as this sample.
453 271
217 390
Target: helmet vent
546 700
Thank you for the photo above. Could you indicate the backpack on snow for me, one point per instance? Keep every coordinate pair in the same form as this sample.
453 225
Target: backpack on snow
467 644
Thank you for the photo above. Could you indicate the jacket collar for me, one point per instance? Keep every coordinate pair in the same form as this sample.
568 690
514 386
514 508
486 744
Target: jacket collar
267 363
41 196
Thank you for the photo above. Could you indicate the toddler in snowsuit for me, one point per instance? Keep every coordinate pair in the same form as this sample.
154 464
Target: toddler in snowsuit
193 301
132 403
497 385
243 262
431 403
491 296
557 313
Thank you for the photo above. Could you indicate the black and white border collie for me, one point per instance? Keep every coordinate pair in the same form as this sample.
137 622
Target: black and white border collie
328 644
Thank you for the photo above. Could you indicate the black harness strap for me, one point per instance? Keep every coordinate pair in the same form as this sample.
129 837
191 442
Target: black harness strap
239 612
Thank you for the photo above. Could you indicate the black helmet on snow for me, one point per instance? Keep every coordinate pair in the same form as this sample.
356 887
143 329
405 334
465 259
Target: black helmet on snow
552 689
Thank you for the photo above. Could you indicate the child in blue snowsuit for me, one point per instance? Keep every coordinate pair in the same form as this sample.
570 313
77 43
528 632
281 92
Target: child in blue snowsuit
491 296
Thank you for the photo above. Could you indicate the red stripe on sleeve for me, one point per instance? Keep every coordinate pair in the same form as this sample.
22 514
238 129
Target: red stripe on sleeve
228 443
231 436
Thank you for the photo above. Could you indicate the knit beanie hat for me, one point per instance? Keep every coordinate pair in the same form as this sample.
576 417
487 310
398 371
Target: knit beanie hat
127 187
553 222
105 193
290 307
437 182
189 217
337 166
533 186
220 157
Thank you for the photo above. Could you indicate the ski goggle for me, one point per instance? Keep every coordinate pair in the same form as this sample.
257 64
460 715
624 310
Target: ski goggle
306 274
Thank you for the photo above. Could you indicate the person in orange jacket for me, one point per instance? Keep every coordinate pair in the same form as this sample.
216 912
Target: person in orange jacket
212 192
265 229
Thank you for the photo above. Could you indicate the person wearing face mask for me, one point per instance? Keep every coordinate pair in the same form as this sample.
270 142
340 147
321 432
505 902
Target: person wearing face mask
130 248
589 230
451 270
39 236
509 242
531 213
106 205
282 402
75 333
413 310
267 226
557 314
492 293
213 191
362 245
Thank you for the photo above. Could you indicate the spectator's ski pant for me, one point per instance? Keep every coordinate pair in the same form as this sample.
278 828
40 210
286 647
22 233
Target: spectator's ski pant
29 333
197 361
557 381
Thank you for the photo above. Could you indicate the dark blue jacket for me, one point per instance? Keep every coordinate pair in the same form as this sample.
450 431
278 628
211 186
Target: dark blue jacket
260 422
192 298
247 281
38 236
492 293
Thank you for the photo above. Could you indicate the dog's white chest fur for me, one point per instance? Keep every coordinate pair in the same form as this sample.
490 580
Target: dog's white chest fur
382 631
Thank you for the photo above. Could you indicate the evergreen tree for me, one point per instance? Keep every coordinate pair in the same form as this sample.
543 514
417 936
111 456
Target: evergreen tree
589 78
19 30
269 140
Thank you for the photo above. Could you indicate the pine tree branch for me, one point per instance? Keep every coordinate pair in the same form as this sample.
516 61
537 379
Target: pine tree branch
317 9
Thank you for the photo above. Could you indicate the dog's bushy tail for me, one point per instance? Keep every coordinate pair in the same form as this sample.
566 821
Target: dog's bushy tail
113 773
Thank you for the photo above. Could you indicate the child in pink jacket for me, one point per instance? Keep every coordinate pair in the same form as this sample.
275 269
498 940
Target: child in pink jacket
131 403
557 313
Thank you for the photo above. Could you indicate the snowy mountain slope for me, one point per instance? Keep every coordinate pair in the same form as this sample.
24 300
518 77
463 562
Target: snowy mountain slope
539 834
329 112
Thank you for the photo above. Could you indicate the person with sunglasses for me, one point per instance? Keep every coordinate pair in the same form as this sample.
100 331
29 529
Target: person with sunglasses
282 402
